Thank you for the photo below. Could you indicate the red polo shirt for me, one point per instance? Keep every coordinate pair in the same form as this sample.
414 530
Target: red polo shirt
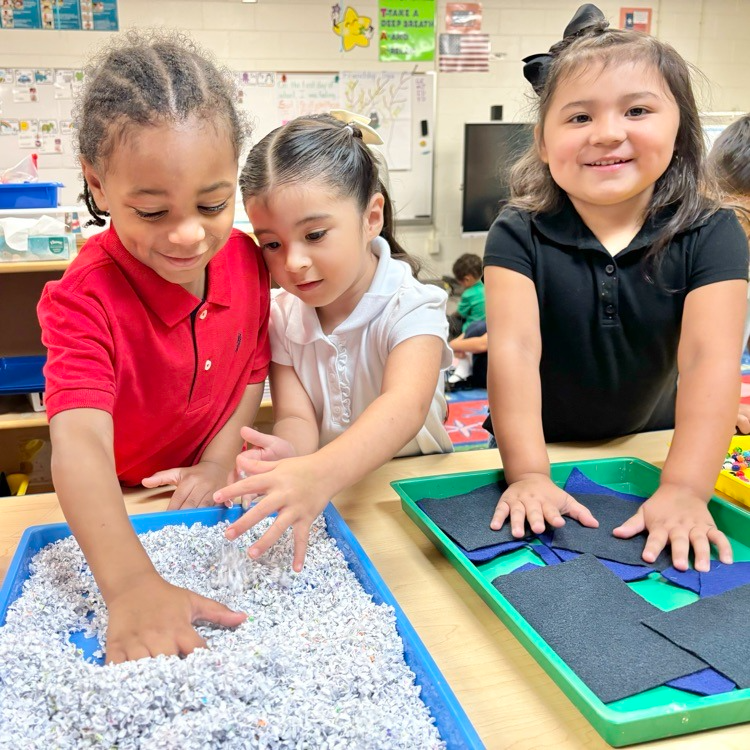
169 368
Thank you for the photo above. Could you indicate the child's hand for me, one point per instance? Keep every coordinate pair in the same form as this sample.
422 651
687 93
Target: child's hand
293 489
537 498
743 419
674 515
152 617
264 448
195 484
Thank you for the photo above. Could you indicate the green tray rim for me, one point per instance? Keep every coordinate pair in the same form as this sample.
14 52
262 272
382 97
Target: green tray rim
617 727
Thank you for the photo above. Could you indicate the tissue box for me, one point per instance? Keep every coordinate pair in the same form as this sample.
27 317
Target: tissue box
48 247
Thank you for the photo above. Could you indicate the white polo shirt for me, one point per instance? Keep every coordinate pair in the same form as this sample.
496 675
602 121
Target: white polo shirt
343 372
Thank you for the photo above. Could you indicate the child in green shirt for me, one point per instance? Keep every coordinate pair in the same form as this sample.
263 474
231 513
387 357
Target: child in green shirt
468 272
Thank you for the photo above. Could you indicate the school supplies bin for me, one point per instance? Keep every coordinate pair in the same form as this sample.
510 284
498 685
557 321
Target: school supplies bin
19 375
29 194
451 721
653 714
732 486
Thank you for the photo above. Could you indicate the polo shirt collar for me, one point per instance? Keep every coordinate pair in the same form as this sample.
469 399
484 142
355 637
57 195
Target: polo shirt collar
565 227
304 325
170 302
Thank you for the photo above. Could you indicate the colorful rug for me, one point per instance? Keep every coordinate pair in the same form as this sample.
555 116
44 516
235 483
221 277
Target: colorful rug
467 410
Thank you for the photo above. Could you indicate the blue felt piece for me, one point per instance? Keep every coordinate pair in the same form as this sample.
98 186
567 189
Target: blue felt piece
721 578
485 554
524 567
547 554
724 578
579 482
706 682
688 579
623 571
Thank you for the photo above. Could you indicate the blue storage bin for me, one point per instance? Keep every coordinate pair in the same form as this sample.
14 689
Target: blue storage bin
29 194
450 719
21 375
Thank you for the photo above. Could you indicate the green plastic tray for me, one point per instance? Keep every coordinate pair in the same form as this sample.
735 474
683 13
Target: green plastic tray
653 714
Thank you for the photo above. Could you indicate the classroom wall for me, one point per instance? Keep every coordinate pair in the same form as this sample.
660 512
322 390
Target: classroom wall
296 35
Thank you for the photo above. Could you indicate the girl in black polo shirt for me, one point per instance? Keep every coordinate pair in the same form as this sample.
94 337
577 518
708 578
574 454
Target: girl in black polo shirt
610 271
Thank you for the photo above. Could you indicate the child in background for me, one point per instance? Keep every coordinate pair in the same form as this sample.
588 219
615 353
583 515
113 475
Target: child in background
468 272
610 271
358 343
157 333
730 162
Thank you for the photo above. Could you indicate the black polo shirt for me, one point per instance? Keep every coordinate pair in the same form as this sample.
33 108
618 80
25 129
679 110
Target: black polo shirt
609 334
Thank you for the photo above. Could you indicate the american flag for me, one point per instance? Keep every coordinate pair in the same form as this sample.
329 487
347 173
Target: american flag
464 53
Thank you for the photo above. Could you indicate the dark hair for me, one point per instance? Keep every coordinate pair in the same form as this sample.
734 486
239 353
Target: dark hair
321 148
468 264
730 157
147 78
685 185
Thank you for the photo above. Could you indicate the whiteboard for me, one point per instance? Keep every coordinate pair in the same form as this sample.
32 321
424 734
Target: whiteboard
401 105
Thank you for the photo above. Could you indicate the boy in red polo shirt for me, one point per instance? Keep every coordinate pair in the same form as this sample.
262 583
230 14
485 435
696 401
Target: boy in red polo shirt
157 333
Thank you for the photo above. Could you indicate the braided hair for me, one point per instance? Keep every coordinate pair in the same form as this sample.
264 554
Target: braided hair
143 79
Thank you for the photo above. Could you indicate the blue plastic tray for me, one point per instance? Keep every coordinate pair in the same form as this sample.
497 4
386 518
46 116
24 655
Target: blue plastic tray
21 375
451 721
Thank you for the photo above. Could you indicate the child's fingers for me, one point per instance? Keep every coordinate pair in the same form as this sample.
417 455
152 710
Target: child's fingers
179 496
518 513
216 613
115 655
501 513
250 465
634 525
246 521
581 513
272 535
250 486
680 543
743 424
161 478
301 533
257 438
552 515
701 550
656 542
723 547
188 640
536 517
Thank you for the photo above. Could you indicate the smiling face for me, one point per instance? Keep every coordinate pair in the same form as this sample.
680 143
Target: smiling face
317 244
609 134
170 192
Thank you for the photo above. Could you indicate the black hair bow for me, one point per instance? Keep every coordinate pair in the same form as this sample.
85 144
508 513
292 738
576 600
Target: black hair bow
536 67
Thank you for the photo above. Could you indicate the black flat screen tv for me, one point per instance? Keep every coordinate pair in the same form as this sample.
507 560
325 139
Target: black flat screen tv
490 149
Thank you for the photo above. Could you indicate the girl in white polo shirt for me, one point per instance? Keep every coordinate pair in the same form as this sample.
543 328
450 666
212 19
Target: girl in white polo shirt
358 344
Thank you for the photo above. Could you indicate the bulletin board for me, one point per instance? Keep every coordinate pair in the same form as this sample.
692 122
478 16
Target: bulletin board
36 105
35 117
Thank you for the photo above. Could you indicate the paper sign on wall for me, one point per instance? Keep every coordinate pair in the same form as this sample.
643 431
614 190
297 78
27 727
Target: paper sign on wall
636 19
407 30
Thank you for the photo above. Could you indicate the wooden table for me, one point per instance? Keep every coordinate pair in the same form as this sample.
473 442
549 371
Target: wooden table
509 699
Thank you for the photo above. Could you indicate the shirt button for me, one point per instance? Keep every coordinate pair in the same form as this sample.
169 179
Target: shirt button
609 309
208 364
609 268
203 314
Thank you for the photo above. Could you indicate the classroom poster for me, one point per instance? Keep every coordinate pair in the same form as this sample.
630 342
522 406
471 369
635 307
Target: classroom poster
67 14
386 99
61 15
407 30
20 14
306 94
